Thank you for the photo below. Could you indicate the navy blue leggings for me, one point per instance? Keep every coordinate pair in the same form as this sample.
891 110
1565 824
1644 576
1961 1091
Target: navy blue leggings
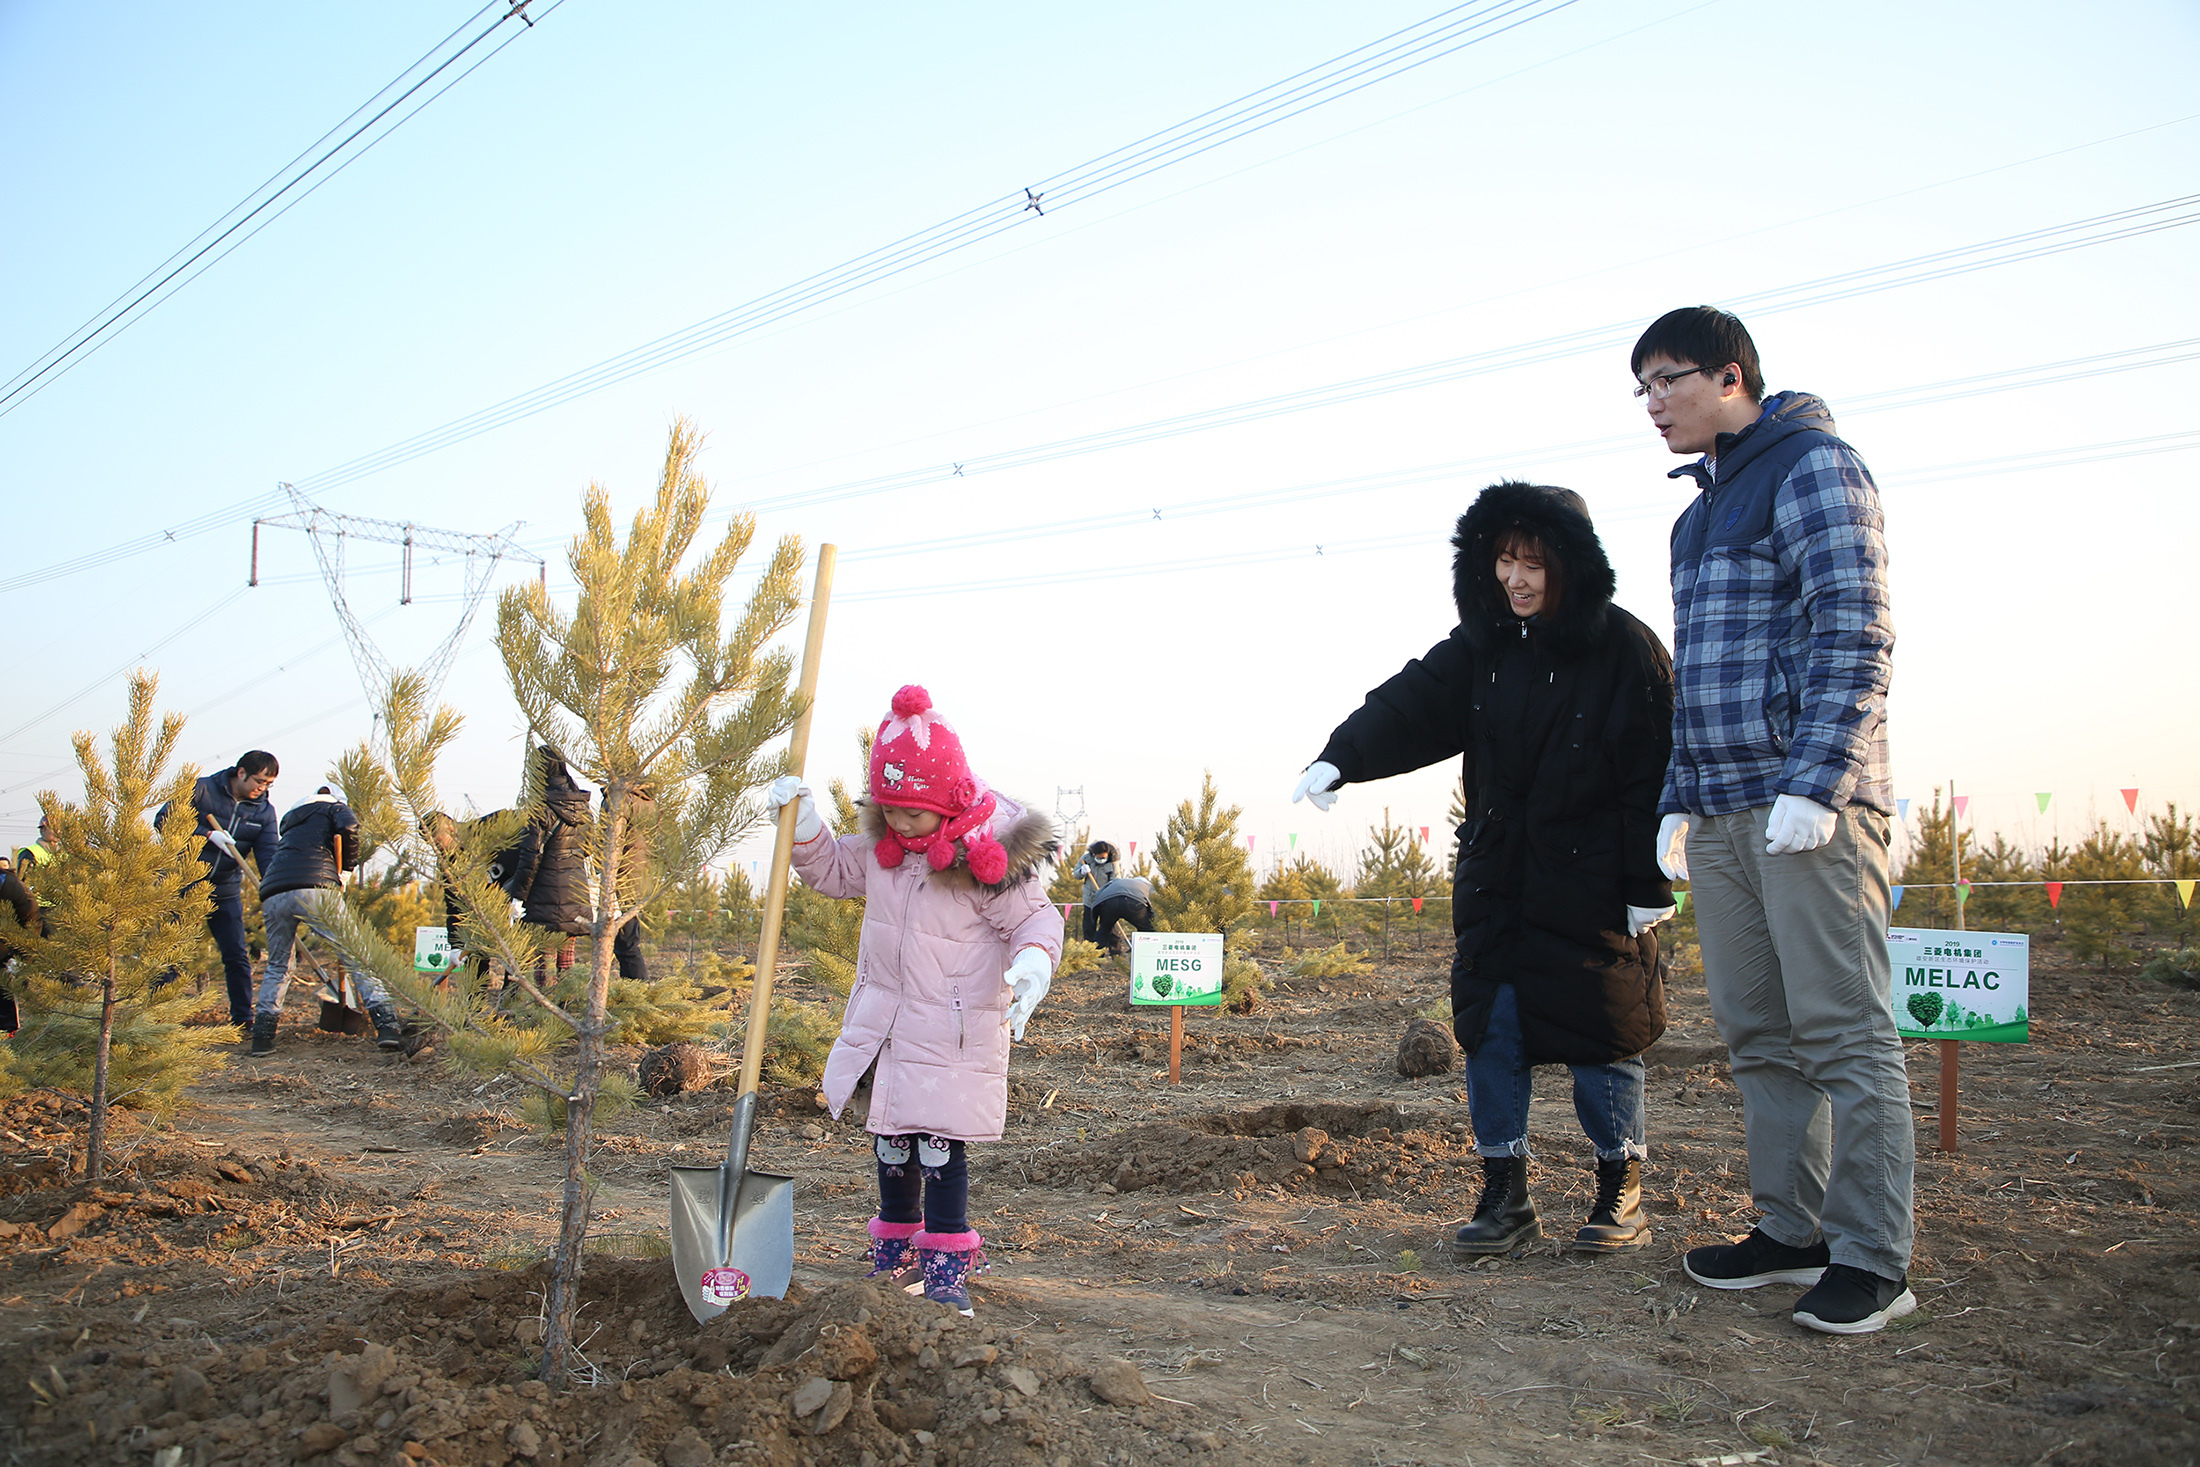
931 1167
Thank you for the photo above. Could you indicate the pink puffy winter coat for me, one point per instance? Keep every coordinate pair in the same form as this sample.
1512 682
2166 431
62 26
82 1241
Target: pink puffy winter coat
930 1006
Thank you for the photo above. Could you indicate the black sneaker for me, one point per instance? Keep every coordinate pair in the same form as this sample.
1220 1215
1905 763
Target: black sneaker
1754 1262
263 1036
388 1032
1850 1301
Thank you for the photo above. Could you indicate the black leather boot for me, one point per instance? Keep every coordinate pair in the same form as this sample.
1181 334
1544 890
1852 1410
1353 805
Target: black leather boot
263 1035
389 1033
1616 1221
1504 1218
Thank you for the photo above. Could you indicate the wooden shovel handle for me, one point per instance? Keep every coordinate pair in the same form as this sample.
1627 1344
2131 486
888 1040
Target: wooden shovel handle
775 894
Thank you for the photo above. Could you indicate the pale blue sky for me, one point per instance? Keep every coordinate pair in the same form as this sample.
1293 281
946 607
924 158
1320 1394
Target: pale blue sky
622 171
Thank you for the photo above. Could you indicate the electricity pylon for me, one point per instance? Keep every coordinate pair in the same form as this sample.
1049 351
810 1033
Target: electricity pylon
329 530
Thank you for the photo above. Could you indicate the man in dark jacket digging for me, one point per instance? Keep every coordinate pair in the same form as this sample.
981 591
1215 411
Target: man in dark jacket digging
320 841
1111 899
1777 804
1562 705
237 820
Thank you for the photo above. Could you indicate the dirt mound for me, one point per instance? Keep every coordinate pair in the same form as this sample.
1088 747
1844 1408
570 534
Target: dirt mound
441 1373
1295 1145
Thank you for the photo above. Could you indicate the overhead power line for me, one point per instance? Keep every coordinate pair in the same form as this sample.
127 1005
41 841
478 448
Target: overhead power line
330 154
1365 66
1612 336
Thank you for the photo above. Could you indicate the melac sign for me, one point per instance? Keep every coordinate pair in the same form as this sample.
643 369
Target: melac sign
1961 985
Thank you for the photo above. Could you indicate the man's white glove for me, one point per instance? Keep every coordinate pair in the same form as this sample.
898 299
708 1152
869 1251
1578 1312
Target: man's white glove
1318 786
1673 847
785 791
1029 978
1797 825
1642 919
227 843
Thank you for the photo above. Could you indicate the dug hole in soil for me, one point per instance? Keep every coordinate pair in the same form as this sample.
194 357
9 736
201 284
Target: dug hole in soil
333 1257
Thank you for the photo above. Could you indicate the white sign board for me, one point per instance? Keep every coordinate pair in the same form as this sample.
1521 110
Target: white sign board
432 950
1176 968
1961 985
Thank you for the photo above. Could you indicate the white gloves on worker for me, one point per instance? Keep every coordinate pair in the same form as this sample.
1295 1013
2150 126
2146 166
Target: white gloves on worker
1797 825
227 843
1318 786
1642 919
1673 847
1028 978
785 791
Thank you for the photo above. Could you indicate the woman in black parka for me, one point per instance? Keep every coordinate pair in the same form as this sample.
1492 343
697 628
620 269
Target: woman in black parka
548 870
1562 706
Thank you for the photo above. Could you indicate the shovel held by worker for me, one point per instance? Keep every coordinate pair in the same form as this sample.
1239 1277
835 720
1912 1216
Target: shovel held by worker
733 1226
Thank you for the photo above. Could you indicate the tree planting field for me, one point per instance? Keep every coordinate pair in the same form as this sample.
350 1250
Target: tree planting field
333 1257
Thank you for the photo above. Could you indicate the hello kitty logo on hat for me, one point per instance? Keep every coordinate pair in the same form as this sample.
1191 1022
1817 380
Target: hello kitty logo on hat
917 763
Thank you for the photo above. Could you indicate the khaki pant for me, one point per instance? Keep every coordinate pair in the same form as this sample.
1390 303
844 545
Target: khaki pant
1795 961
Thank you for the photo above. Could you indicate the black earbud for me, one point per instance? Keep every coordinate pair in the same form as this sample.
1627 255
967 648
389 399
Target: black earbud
1730 379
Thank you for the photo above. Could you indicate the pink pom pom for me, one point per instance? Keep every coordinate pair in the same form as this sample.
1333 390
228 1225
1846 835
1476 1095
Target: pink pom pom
911 701
988 861
888 853
941 855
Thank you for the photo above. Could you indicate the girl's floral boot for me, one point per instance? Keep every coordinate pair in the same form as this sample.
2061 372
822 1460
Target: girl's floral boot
891 1252
947 1261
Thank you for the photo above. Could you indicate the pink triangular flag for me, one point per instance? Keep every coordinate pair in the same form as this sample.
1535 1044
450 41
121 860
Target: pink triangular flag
1424 837
2131 801
1248 843
2054 893
1271 909
1134 848
1963 803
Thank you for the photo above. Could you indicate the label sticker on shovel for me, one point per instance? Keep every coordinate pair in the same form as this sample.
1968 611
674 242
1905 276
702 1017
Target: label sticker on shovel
725 1285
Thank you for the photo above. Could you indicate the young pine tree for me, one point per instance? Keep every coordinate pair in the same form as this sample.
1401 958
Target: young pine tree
102 1014
1392 866
649 697
1203 882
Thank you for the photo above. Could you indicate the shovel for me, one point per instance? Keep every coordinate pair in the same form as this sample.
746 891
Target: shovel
733 1226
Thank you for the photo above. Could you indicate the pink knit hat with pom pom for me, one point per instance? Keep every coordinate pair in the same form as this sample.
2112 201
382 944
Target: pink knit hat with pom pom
917 762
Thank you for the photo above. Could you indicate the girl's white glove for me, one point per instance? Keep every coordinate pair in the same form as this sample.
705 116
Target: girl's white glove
1642 919
785 791
1673 847
1029 978
1318 786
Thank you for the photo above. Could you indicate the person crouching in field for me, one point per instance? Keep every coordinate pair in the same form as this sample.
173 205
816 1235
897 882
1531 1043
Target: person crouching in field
1562 704
1111 900
959 946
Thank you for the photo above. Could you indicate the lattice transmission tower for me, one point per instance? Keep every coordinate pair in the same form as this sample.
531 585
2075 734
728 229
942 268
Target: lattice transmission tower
328 530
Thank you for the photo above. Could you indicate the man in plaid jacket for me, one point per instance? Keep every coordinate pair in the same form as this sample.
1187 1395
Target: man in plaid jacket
1776 802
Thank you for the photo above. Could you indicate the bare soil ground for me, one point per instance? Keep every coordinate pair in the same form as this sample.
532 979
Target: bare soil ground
330 1259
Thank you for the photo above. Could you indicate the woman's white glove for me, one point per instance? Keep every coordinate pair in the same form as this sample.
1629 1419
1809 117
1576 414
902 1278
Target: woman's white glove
785 791
1798 824
1318 786
1642 919
1673 847
1029 978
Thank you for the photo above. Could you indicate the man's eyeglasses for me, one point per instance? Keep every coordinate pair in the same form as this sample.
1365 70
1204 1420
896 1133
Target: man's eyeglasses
1658 386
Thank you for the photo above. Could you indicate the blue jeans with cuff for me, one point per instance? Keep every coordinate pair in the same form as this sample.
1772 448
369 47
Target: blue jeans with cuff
1607 1097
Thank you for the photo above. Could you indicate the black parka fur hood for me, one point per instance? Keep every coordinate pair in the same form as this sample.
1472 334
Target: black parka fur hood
1560 521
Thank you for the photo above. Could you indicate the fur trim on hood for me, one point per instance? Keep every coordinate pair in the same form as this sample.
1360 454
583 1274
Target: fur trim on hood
1560 520
1025 834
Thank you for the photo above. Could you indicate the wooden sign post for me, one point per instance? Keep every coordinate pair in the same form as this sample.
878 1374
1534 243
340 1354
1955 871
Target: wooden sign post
1176 969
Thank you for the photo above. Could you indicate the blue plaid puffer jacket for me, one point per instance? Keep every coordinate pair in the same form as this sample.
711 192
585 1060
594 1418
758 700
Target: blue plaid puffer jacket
1782 640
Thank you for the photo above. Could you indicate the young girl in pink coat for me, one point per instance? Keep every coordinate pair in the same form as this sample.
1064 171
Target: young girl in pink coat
959 945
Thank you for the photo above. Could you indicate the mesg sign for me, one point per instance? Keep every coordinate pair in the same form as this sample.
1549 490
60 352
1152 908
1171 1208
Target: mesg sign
1176 968
1961 985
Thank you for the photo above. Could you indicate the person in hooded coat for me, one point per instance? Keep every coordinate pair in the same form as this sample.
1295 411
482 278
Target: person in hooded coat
1561 705
547 872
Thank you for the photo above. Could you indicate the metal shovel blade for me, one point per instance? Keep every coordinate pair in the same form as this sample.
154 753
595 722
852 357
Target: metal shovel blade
758 1260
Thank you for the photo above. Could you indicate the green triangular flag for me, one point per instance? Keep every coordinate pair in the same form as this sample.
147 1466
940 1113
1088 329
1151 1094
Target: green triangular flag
2043 798
1680 902
1294 842
1317 906
1963 892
